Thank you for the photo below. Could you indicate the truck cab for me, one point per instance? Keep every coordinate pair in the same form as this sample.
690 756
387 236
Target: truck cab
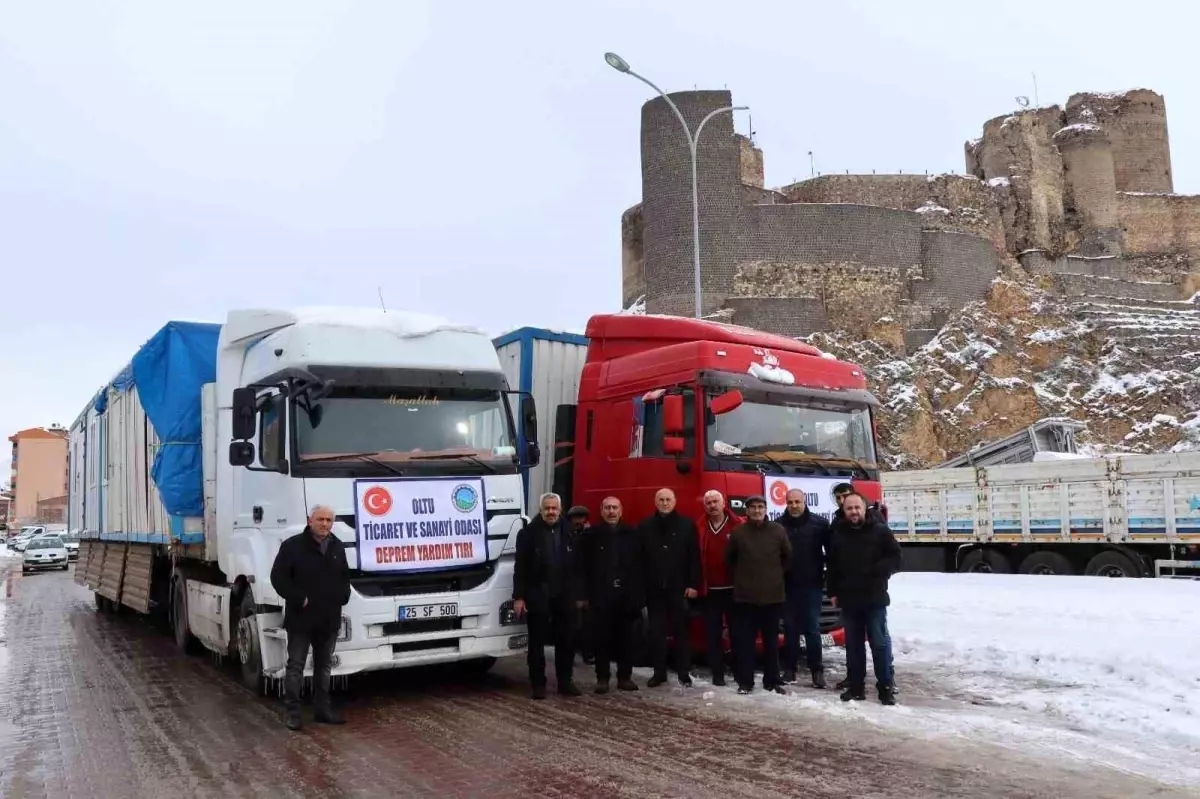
695 405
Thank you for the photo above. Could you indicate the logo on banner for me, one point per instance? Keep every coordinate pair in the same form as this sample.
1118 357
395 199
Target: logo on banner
465 498
377 501
778 492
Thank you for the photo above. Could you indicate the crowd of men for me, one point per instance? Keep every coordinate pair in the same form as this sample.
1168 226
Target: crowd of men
584 587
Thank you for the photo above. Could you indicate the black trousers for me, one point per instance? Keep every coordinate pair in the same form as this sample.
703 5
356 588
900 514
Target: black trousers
718 614
553 625
751 621
298 643
613 633
669 615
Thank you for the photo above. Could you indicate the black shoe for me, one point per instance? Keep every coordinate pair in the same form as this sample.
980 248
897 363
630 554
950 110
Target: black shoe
685 680
887 695
788 677
601 687
626 685
779 689
655 681
538 692
569 689
293 721
328 717
843 684
719 681
743 690
818 678
853 694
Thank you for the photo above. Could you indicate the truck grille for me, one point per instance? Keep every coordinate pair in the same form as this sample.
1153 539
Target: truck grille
420 626
445 582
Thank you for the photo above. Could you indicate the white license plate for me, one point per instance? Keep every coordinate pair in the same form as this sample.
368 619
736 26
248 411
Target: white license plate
446 610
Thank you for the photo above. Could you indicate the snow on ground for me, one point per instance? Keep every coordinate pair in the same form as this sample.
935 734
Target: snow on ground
1091 668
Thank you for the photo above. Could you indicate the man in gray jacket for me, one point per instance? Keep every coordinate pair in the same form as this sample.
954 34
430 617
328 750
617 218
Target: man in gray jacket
758 555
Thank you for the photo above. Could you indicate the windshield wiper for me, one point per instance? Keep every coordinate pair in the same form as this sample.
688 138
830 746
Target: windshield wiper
807 460
362 456
456 456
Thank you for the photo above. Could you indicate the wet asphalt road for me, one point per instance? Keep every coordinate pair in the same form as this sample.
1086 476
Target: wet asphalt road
93 705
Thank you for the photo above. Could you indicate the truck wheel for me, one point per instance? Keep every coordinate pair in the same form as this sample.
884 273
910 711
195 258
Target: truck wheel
184 639
1111 563
249 654
1046 563
985 561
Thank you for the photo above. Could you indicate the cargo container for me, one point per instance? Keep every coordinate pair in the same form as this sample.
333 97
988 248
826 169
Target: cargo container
211 447
1119 516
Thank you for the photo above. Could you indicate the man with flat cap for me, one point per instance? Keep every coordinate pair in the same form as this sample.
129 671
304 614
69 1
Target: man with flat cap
759 554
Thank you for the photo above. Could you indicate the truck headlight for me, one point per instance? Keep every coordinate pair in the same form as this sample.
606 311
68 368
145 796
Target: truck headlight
508 616
344 633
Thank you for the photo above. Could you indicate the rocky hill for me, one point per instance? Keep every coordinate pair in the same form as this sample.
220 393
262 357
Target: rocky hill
1128 368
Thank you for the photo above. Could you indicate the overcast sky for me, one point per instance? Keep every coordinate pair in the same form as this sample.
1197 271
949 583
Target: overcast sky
167 161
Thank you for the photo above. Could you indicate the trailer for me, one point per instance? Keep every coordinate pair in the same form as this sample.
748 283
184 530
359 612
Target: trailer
1119 516
191 466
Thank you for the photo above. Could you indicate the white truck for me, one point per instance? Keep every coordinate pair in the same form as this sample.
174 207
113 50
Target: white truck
1121 516
210 448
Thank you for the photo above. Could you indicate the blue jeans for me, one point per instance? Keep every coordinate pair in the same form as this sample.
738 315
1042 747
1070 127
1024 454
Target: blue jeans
871 622
802 616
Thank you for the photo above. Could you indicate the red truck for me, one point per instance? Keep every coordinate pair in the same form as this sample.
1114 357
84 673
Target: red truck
641 402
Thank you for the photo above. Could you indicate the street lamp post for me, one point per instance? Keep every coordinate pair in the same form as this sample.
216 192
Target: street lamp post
621 65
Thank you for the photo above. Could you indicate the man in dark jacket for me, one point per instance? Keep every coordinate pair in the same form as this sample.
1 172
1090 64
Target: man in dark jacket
311 575
862 558
614 587
716 586
545 591
809 537
577 519
673 561
758 555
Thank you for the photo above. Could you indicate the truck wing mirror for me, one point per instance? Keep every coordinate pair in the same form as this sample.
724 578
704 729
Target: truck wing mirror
241 453
245 415
533 454
729 401
672 413
673 445
528 418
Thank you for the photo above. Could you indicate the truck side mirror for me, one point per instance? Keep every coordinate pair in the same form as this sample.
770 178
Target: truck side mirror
729 401
673 445
672 413
241 453
528 418
533 454
245 415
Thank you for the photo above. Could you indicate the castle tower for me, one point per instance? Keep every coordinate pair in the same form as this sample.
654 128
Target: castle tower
1136 122
667 202
1091 183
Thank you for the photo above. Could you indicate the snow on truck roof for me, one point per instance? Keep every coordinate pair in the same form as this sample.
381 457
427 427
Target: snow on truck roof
680 328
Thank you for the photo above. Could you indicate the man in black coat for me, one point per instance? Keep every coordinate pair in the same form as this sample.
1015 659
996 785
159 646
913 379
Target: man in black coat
809 536
614 586
545 591
311 574
577 521
673 560
863 556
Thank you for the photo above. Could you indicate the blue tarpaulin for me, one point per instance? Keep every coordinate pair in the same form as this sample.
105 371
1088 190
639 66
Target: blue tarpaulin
169 371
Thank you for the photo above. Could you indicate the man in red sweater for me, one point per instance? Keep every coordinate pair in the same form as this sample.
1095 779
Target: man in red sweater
716 585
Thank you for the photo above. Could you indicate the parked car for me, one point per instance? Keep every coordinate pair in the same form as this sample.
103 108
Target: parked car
71 541
28 534
45 552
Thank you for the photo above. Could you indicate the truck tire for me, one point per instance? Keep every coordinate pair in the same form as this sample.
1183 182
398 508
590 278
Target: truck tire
986 561
184 639
1045 562
1111 563
249 661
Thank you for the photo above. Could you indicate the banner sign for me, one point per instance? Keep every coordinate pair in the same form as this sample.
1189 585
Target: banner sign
414 524
817 490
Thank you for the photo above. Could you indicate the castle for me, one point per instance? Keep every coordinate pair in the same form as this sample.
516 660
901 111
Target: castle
1080 197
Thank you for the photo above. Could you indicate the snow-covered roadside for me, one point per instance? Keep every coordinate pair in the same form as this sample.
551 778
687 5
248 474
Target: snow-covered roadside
1101 670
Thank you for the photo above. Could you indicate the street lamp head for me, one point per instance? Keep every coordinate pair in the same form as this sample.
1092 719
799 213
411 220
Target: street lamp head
616 62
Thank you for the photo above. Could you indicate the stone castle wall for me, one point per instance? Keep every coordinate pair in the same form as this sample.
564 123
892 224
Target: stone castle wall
1061 190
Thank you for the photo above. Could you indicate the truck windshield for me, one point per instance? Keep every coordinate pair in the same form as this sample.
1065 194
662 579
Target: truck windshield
399 424
793 432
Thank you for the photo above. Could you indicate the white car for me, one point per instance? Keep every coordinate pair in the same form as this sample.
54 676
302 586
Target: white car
45 552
